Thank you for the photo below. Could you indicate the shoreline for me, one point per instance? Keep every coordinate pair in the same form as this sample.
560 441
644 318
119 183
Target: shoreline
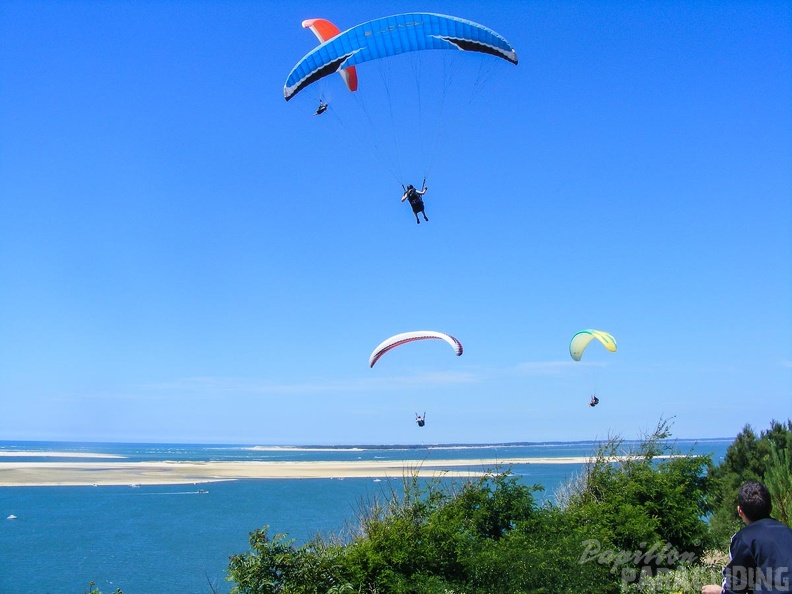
53 454
51 474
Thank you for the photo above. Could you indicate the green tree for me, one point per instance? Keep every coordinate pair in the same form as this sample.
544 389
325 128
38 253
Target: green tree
92 589
543 555
749 457
265 568
428 538
649 502
778 478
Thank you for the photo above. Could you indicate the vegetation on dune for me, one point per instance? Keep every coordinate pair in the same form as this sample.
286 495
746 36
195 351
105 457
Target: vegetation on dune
766 458
622 519
92 589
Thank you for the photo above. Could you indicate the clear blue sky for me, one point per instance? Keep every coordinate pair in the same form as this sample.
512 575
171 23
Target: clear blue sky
184 256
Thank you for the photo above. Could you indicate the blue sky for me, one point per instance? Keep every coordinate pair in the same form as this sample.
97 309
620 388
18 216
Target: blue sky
184 256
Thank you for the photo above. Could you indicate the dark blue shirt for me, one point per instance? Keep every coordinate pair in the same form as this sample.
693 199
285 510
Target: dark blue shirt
761 559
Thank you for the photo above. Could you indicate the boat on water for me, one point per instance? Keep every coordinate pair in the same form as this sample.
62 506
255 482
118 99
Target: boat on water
202 491
11 517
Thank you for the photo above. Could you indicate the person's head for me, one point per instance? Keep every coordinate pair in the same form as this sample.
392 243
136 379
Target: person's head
753 500
410 187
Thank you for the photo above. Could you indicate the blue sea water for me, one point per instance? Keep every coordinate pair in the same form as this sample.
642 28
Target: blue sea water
175 539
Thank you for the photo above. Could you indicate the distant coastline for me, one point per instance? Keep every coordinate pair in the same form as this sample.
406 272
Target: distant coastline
335 447
459 446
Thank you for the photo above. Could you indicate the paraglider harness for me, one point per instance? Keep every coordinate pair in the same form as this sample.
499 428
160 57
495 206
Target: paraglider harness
415 199
594 401
421 420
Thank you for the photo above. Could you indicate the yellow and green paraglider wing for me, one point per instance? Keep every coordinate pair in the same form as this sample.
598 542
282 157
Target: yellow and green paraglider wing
582 339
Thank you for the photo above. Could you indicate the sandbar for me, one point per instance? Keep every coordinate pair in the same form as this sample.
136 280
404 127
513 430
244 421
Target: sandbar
18 474
44 454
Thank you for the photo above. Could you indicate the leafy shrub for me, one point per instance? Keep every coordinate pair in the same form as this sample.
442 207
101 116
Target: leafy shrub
489 535
650 502
778 478
92 589
764 458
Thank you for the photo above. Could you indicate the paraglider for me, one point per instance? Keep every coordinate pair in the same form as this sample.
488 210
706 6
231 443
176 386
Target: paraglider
322 108
580 342
409 130
415 198
582 339
389 36
407 337
421 420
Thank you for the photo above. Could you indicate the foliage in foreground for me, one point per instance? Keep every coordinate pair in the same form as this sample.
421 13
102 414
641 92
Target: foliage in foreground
766 458
687 579
623 518
655 496
92 589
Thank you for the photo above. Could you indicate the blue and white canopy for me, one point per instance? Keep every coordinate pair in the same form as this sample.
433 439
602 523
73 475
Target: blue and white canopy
394 35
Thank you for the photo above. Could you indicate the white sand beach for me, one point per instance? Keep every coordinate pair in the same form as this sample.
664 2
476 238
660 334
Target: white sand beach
15 474
44 454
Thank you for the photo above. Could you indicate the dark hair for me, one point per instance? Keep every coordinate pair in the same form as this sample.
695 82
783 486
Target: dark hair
754 501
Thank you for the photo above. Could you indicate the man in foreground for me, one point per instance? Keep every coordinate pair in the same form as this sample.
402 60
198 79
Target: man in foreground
761 553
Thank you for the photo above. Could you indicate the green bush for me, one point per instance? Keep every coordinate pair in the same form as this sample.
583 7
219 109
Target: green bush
764 458
623 515
430 539
92 589
778 478
650 501
684 580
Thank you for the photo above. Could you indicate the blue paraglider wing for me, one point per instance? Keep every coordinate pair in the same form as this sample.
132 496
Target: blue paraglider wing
394 35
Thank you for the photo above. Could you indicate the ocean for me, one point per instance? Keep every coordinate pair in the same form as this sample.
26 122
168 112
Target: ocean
176 539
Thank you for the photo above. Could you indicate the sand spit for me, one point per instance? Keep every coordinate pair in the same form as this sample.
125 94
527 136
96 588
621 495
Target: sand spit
16 474
44 454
